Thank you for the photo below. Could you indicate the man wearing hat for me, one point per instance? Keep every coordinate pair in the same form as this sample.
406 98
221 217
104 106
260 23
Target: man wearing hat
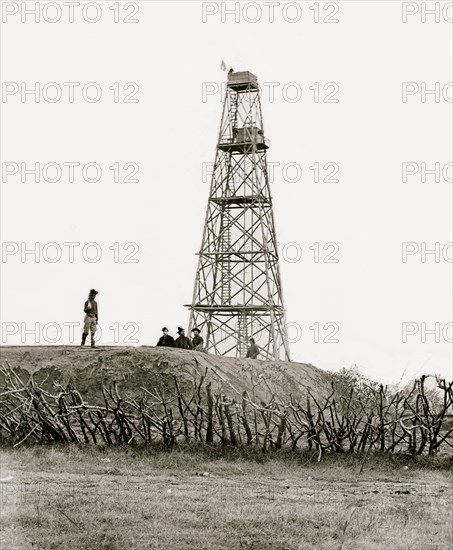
91 317
197 340
183 341
166 340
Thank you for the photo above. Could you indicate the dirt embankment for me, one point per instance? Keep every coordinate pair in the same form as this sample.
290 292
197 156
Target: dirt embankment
146 367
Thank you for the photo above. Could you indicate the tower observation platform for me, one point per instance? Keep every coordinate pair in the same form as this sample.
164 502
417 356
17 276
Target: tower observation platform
242 81
241 139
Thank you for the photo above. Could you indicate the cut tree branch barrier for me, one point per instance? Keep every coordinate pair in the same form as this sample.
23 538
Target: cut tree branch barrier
213 411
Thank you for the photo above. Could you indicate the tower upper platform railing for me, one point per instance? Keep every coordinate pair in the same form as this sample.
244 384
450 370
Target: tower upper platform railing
243 80
244 140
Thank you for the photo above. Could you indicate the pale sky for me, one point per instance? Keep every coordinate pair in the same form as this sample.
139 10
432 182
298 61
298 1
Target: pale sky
169 58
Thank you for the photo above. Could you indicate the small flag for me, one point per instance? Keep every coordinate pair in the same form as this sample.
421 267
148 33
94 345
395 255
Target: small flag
223 67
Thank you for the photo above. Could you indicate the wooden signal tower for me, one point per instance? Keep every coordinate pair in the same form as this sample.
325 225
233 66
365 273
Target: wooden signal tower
238 289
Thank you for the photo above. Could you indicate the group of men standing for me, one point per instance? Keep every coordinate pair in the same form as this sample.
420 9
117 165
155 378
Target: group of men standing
196 344
91 320
183 341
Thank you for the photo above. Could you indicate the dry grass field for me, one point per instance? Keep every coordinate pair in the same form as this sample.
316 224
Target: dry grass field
69 497
234 495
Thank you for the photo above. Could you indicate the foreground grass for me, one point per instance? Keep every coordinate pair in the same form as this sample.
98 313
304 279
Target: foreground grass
122 498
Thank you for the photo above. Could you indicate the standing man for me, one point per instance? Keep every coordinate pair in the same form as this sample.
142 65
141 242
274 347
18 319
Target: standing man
183 341
253 351
91 317
197 340
166 340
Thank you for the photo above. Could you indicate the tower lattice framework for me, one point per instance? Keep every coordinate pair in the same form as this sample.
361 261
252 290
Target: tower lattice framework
238 290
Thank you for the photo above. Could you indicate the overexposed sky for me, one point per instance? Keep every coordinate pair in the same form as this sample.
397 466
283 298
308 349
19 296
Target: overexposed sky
337 103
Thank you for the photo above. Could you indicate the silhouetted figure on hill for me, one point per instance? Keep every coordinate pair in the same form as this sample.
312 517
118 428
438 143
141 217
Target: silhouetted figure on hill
183 341
90 322
197 340
253 351
166 340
